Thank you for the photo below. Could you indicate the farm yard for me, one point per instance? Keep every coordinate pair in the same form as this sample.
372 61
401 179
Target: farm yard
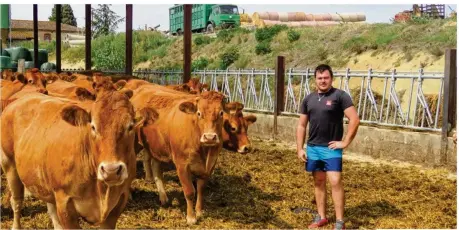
268 188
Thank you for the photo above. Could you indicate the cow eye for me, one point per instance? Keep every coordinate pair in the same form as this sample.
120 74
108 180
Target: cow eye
30 81
199 114
93 128
130 127
221 113
233 129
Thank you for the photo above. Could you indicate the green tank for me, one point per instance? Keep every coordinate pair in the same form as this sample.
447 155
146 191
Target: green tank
5 16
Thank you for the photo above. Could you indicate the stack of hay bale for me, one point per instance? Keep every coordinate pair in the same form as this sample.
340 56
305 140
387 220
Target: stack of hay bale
301 19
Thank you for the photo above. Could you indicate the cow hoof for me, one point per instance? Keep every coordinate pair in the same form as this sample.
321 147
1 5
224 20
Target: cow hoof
191 220
199 213
164 200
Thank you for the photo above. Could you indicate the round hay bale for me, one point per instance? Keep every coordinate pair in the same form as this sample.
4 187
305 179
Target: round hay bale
319 17
291 17
327 17
300 16
283 17
308 23
309 17
5 62
5 53
353 18
271 22
295 24
17 53
245 18
361 17
273 16
336 17
345 17
48 66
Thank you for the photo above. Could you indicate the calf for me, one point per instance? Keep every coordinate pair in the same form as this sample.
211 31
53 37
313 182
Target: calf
235 127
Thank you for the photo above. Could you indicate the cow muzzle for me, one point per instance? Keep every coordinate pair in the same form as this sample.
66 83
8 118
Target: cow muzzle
112 173
244 149
209 139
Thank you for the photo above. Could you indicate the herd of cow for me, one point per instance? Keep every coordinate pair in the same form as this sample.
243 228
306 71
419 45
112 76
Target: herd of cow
72 141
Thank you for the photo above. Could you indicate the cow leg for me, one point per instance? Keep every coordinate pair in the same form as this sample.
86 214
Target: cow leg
201 184
53 214
159 180
66 211
16 186
147 165
189 192
112 218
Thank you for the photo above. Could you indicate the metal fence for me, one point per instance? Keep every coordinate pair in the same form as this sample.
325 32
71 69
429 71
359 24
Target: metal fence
381 104
387 98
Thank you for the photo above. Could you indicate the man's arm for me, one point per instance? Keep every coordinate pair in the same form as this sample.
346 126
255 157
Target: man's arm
354 121
300 136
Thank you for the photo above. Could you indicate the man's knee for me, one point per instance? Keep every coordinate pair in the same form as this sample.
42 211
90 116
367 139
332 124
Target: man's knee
320 179
335 181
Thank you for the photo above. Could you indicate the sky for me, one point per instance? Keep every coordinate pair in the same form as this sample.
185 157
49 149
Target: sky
153 15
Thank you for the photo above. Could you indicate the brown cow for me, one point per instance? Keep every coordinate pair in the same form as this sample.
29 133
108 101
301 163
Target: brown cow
88 172
133 84
69 90
235 127
188 132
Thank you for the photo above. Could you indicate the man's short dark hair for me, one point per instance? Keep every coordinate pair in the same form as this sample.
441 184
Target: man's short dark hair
321 68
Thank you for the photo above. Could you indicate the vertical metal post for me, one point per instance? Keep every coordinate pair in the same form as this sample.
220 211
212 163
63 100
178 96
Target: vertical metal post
449 100
58 38
88 36
187 42
279 94
128 64
35 36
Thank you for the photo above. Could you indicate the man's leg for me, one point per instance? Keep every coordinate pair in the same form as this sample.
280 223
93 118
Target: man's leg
337 193
320 180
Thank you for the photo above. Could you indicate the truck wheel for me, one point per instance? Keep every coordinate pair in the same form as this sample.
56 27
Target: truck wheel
210 28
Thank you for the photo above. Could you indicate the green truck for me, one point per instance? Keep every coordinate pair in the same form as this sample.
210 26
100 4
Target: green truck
205 17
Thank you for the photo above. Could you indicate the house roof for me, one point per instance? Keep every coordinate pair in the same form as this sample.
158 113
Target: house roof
21 35
42 25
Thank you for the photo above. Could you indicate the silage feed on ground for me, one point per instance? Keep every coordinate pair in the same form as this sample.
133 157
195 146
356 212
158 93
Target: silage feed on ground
269 188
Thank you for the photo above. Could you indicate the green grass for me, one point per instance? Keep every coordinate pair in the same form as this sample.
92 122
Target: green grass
332 45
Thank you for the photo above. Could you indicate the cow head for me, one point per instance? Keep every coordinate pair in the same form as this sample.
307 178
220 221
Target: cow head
110 129
208 110
235 127
33 78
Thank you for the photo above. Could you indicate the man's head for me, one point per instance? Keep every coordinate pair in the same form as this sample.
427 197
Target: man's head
324 77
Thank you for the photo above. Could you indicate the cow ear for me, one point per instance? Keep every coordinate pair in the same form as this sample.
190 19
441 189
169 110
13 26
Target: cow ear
128 92
233 107
120 84
75 115
84 94
51 78
145 116
250 119
188 107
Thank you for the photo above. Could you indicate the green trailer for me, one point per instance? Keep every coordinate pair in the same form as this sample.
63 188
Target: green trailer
204 17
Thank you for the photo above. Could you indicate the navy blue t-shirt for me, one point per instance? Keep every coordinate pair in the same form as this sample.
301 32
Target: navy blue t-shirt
325 113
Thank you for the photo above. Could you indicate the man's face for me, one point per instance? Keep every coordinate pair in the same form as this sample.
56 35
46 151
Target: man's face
323 80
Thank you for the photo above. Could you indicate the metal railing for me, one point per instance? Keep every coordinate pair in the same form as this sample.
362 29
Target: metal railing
381 105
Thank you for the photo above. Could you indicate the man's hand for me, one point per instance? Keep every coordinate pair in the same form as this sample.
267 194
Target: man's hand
337 144
302 155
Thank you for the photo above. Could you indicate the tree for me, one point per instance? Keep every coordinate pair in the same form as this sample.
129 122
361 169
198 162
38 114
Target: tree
104 20
67 16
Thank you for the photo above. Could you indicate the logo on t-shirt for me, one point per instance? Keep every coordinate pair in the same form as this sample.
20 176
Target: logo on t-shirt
329 102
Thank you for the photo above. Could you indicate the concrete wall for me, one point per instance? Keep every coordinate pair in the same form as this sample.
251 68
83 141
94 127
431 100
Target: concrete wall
413 147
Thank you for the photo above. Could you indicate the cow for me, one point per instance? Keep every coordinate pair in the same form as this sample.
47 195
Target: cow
61 88
133 84
235 127
188 132
80 163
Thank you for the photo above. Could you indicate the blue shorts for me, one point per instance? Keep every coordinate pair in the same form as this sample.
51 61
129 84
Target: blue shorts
320 158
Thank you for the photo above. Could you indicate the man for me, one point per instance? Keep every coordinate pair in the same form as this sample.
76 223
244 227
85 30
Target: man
324 110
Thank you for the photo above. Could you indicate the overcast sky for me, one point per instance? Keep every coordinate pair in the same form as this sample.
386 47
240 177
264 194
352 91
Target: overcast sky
153 15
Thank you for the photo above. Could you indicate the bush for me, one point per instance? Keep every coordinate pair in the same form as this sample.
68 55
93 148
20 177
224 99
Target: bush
109 52
293 35
263 48
225 35
268 33
228 57
202 40
199 64
355 45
